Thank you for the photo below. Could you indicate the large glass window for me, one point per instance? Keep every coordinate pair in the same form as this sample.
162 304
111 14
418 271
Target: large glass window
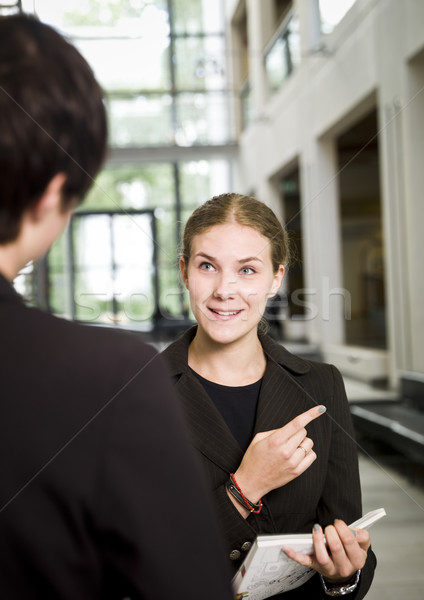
199 62
113 267
162 64
118 262
198 16
145 53
145 64
140 120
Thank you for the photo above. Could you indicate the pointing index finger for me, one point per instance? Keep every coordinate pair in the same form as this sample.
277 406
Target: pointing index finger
304 418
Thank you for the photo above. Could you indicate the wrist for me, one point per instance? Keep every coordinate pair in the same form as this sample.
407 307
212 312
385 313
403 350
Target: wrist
332 588
236 492
245 484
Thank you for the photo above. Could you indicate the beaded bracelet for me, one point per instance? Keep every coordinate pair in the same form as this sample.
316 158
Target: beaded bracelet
236 492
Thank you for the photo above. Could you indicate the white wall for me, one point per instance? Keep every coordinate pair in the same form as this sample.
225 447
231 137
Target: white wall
372 59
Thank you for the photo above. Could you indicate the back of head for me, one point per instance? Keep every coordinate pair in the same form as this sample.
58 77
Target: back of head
245 210
52 118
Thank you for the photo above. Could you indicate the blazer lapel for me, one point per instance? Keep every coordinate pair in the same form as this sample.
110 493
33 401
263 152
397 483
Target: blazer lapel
210 433
280 400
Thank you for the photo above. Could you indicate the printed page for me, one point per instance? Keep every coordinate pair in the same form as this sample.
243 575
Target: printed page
271 571
267 570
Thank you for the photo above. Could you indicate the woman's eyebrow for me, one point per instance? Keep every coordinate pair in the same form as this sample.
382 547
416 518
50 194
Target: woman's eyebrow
240 260
250 259
204 255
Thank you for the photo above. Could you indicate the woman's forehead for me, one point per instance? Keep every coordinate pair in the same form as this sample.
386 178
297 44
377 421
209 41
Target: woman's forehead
232 239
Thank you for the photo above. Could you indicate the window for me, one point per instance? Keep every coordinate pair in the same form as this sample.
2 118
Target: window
117 263
146 53
283 53
162 64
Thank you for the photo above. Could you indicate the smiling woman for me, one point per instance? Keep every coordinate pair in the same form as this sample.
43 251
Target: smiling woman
276 462
230 278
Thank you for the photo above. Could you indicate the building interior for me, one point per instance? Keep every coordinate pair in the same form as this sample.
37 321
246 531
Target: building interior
315 107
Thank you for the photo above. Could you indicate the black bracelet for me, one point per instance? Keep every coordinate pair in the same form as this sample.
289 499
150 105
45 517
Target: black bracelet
235 491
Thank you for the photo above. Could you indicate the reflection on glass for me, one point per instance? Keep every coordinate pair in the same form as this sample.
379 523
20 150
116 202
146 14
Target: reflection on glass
114 269
277 64
202 119
91 240
127 64
110 276
200 63
196 16
140 121
127 17
144 186
59 291
201 180
284 55
173 303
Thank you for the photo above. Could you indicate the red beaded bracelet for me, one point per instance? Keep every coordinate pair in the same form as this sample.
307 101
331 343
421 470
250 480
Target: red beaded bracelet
252 506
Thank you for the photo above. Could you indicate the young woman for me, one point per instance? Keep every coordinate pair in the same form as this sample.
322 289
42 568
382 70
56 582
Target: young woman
273 431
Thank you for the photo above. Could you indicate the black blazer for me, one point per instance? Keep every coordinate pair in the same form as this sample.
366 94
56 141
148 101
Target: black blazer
101 495
329 489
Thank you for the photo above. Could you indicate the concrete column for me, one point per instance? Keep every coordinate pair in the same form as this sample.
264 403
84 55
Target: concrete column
402 135
328 304
309 25
398 198
414 207
258 17
394 224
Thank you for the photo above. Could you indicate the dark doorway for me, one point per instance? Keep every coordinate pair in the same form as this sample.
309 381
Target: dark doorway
362 233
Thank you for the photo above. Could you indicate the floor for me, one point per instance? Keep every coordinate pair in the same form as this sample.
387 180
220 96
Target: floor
391 482
397 539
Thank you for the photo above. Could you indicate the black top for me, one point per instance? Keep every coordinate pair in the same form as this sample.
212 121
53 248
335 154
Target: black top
237 406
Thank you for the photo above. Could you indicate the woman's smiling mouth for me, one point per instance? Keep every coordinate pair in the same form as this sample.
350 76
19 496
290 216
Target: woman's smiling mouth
225 313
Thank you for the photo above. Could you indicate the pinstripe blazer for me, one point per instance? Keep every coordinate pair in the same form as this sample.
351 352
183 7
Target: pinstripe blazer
329 489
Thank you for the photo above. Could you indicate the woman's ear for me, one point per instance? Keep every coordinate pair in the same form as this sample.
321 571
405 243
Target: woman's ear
183 271
278 278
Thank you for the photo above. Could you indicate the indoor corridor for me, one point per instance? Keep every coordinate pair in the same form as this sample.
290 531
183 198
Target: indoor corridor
398 538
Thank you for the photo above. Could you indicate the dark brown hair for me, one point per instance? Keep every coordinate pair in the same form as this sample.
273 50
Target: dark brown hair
52 119
241 209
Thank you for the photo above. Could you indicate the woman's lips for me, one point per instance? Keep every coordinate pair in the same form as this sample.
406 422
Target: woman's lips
226 314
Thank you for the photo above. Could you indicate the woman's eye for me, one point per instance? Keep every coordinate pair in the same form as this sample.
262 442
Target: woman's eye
206 266
247 270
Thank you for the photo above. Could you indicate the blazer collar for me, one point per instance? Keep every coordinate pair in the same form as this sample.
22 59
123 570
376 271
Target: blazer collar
8 292
281 398
177 354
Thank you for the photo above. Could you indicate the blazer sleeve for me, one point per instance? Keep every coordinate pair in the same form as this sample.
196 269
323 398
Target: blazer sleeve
156 520
341 497
341 492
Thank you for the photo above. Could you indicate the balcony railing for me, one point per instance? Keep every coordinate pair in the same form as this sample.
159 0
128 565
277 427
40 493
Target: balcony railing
282 55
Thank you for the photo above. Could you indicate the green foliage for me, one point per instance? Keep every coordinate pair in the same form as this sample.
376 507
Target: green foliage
106 12
132 186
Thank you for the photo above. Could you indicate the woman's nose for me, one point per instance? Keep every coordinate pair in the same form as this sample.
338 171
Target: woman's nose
225 286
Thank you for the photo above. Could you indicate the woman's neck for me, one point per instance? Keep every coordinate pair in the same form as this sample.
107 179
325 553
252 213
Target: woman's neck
235 364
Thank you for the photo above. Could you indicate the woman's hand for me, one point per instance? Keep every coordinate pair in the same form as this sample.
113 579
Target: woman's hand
345 553
275 457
